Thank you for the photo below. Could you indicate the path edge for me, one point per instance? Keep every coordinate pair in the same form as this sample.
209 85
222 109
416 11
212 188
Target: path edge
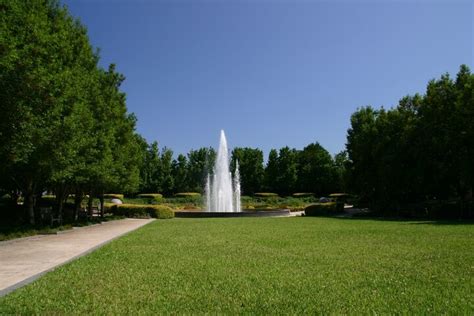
33 278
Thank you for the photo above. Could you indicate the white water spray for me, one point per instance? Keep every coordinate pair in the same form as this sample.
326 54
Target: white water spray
223 192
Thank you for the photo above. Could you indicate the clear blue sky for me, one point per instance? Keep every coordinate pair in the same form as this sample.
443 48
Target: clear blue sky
271 73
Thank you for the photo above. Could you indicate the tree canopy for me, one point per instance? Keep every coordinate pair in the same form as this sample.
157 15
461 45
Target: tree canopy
419 150
65 124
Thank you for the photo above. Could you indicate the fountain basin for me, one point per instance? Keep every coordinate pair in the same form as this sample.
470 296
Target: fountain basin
244 213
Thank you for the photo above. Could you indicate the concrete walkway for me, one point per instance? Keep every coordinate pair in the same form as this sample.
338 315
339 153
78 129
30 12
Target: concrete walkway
24 260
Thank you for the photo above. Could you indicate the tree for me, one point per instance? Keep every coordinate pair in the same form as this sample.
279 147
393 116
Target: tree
287 171
65 124
341 163
167 184
151 171
271 171
421 149
45 54
200 163
251 168
179 172
316 170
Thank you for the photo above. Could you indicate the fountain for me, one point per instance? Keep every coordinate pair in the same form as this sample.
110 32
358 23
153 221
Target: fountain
223 192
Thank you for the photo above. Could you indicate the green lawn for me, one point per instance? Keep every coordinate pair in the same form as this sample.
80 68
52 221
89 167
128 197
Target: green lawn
266 266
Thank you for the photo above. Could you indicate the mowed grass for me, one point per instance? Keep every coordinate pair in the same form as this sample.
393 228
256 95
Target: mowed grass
265 266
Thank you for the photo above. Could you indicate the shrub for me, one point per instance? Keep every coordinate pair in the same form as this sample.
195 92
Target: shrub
303 194
188 194
48 198
324 209
142 211
131 210
266 194
113 196
108 207
162 212
339 197
293 203
154 196
5 197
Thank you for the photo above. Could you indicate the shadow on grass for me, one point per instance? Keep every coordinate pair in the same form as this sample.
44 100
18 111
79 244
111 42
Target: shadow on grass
446 222
410 221
12 231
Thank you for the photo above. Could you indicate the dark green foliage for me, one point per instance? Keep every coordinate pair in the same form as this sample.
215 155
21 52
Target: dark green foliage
179 171
324 209
266 194
132 210
271 171
312 168
316 170
302 194
142 211
113 196
341 163
309 170
200 164
188 195
156 170
166 170
64 122
286 182
250 167
150 173
162 212
420 150
153 196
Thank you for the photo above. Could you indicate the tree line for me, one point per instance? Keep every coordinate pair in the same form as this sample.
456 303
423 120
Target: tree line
420 150
64 125
287 171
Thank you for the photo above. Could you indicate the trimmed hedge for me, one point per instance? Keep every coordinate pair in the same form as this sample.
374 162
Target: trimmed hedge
336 195
108 207
188 194
303 194
142 211
153 196
113 196
162 212
324 209
265 194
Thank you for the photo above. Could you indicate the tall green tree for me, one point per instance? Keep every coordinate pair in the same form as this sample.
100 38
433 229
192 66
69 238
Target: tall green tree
341 164
251 168
167 184
200 163
316 170
180 173
151 172
420 149
271 171
287 178
44 55
65 124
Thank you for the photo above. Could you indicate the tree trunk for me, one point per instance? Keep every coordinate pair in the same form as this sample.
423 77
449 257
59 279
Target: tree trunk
29 202
61 196
101 204
89 205
77 203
